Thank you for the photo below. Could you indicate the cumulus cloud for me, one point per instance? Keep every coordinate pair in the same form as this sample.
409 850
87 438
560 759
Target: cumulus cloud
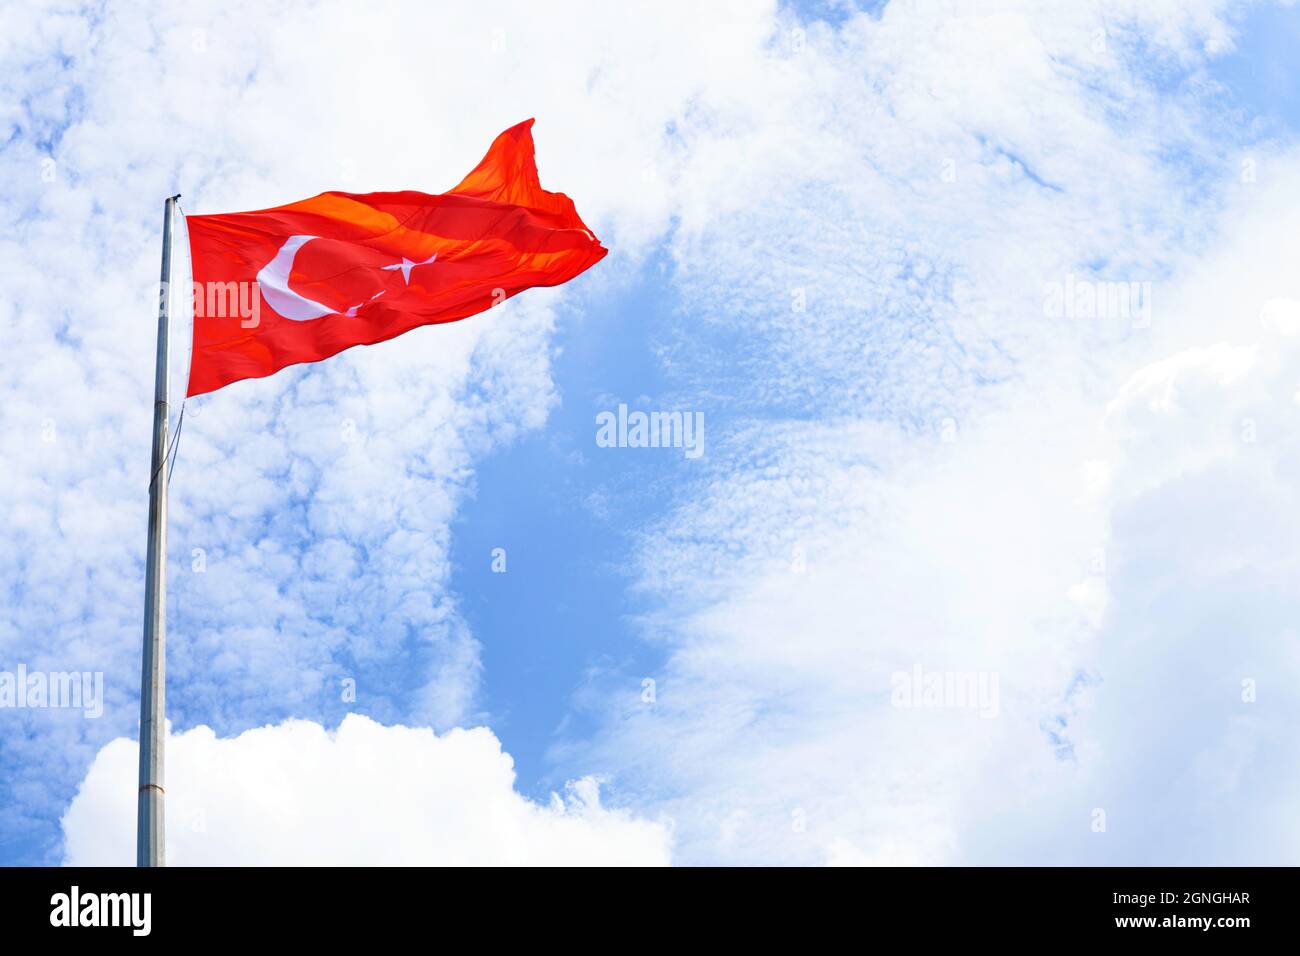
363 794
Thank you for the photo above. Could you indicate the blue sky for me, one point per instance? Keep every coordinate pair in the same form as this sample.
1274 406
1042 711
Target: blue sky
1255 75
914 467
563 529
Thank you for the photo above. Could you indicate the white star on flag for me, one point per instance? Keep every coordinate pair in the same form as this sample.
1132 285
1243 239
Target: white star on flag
406 265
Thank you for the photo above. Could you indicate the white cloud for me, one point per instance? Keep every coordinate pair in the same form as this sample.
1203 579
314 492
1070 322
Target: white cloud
920 177
364 794
934 472
321 499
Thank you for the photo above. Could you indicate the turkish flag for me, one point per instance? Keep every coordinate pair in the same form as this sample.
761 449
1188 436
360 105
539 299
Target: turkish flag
299 283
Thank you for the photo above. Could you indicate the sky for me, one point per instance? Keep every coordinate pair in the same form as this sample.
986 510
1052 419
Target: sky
991 315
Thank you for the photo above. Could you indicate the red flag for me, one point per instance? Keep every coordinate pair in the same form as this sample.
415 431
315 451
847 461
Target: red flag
299 283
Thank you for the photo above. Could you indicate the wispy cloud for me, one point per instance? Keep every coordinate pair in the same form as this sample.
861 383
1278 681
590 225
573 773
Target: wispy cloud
923 475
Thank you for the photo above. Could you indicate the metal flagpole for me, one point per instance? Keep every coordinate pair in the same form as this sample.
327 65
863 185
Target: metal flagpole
149 835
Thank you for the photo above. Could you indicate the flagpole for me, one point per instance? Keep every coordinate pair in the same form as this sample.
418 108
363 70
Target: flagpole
149 834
